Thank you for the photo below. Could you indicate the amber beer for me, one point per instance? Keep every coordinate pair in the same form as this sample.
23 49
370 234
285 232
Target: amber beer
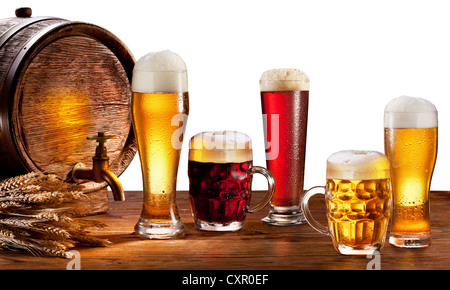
359 212
358 199
160 106
284 102
410 134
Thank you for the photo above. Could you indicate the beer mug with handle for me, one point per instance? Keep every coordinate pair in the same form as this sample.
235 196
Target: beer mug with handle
220 173
358 199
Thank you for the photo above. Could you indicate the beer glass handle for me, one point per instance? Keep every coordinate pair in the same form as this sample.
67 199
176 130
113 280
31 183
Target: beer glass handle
270 190
307 213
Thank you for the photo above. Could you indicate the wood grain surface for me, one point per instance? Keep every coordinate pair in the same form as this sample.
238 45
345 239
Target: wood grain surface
61 82
255 247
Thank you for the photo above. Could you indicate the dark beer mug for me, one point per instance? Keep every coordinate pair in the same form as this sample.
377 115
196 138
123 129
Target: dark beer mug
220 173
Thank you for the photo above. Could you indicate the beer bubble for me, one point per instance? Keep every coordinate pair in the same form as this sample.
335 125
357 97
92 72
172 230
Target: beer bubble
357 165
220 147
284 79
161 61
410 112
160 72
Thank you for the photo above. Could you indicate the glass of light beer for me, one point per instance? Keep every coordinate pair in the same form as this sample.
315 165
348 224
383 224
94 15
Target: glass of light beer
358 200
160 107
410 140
284 102
220 173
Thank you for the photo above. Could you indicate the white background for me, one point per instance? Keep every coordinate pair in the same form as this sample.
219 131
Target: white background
358 54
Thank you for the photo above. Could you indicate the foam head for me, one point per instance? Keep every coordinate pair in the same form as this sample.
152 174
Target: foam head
357 165
410 112
284 79
220 147
163 71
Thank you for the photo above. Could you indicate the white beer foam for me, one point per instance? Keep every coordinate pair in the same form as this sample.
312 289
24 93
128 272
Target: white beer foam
221 147
358 164
160 72
284 79
410 112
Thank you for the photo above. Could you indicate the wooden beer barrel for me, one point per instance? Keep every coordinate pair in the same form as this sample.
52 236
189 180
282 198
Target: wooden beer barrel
62 81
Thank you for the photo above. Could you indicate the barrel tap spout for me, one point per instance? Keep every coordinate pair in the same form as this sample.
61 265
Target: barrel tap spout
100 171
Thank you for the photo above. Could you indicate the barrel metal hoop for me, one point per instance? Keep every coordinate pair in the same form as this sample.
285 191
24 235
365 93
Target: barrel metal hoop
18 27
13 68
20 61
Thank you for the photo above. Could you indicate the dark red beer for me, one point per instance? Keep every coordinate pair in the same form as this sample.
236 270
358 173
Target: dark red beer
288 167
219 192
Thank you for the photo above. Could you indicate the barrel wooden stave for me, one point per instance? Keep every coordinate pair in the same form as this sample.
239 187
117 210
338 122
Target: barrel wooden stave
60 82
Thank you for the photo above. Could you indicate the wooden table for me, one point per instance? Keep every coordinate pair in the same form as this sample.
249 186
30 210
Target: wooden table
255 247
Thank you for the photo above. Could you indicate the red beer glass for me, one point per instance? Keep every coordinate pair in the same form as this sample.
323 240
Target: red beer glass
284 102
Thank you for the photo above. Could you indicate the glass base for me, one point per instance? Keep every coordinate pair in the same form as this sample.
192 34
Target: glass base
410 241
362 250
284 216
159 230
217 227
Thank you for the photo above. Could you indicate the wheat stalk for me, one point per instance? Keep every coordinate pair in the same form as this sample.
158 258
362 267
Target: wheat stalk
16 182
32 217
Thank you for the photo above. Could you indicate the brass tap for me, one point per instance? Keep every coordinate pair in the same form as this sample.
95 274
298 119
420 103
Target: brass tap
100 168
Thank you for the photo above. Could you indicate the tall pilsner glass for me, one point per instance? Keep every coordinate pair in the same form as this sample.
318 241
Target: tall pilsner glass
410 136
284 102
160 107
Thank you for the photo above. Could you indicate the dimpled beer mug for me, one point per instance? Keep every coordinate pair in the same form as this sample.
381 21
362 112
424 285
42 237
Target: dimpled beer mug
410 140
160 107
284 103
358 199
220 173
